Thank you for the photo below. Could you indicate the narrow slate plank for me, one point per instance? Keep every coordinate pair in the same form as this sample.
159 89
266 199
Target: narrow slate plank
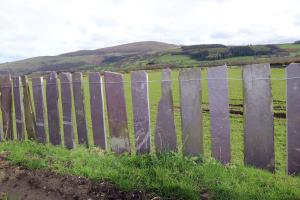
258 117
293 118
165 133
28 111
141 113
18 108
52 109
191 114
6 106
219 113
79 108
117 116
66 99
97 109
38 91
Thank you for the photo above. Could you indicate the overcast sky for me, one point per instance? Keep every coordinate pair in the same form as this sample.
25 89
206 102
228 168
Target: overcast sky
49 27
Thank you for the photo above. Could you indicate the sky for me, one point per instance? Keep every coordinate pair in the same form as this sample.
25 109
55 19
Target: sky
30 28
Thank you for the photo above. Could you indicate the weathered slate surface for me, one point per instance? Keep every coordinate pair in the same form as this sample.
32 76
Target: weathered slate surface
293 118
6 106
165 133
191 115
116 108
18 108
258 117
52 109
141 113
79 108
219 113
38 91
66 99
28 111
97 109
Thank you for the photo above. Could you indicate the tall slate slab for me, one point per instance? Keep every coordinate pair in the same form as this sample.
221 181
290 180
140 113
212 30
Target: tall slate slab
141 113
258 117
97 109
191 113
6 106
66 100
38 96
219 113
18 108
117 116
293 118
28 110
52 109
79 108
165 133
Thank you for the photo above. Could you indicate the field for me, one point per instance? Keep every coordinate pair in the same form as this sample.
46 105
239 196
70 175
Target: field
171 175
236 101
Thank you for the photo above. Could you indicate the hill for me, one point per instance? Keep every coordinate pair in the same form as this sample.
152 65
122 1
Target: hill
151 55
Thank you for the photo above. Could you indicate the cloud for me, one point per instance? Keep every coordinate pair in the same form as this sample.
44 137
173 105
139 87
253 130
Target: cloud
32 27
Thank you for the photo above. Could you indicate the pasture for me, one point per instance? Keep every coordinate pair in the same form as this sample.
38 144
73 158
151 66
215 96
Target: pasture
236 109
172 175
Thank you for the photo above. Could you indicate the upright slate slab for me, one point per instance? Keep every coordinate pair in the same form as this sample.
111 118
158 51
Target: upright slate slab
219 113
191 113
165 133
79 108
18 108
38 91
117 116
28 110
52 109
258 117
141 113
293 118
97 109
6 106
66 100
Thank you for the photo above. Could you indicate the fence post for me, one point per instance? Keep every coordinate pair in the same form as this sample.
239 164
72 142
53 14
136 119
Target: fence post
191 113
165 133
66 100
18 108
52 109
97 109
28 110
293 118
117 116
258 117
79 108
6 106
219 113
38 91
141 113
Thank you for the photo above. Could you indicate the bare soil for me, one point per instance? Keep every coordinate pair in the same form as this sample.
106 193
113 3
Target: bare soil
19 183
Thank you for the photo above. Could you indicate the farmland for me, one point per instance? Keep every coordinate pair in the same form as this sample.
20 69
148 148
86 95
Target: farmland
171 175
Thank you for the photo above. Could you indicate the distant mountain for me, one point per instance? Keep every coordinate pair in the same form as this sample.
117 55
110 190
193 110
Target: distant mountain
151 55
85 59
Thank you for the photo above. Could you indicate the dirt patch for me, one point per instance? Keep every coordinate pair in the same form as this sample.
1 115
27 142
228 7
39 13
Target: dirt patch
19 183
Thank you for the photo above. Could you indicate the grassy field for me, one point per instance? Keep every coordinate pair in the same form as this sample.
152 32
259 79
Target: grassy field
174 175
236 120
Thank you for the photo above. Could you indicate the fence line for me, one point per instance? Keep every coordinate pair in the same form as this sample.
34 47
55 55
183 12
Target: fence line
170 80
258 112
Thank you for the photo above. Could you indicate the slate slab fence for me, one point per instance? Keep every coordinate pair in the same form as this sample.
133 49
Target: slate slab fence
258 113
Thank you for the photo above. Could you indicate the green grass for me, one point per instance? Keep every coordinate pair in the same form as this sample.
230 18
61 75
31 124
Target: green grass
169 175
197 177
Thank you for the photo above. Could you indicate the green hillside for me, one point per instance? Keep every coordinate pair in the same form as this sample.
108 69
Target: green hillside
152 55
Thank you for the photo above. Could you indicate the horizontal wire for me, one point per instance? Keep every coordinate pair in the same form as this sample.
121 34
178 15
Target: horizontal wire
152 81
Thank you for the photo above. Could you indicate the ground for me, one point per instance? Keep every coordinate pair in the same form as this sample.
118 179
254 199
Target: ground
20 183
